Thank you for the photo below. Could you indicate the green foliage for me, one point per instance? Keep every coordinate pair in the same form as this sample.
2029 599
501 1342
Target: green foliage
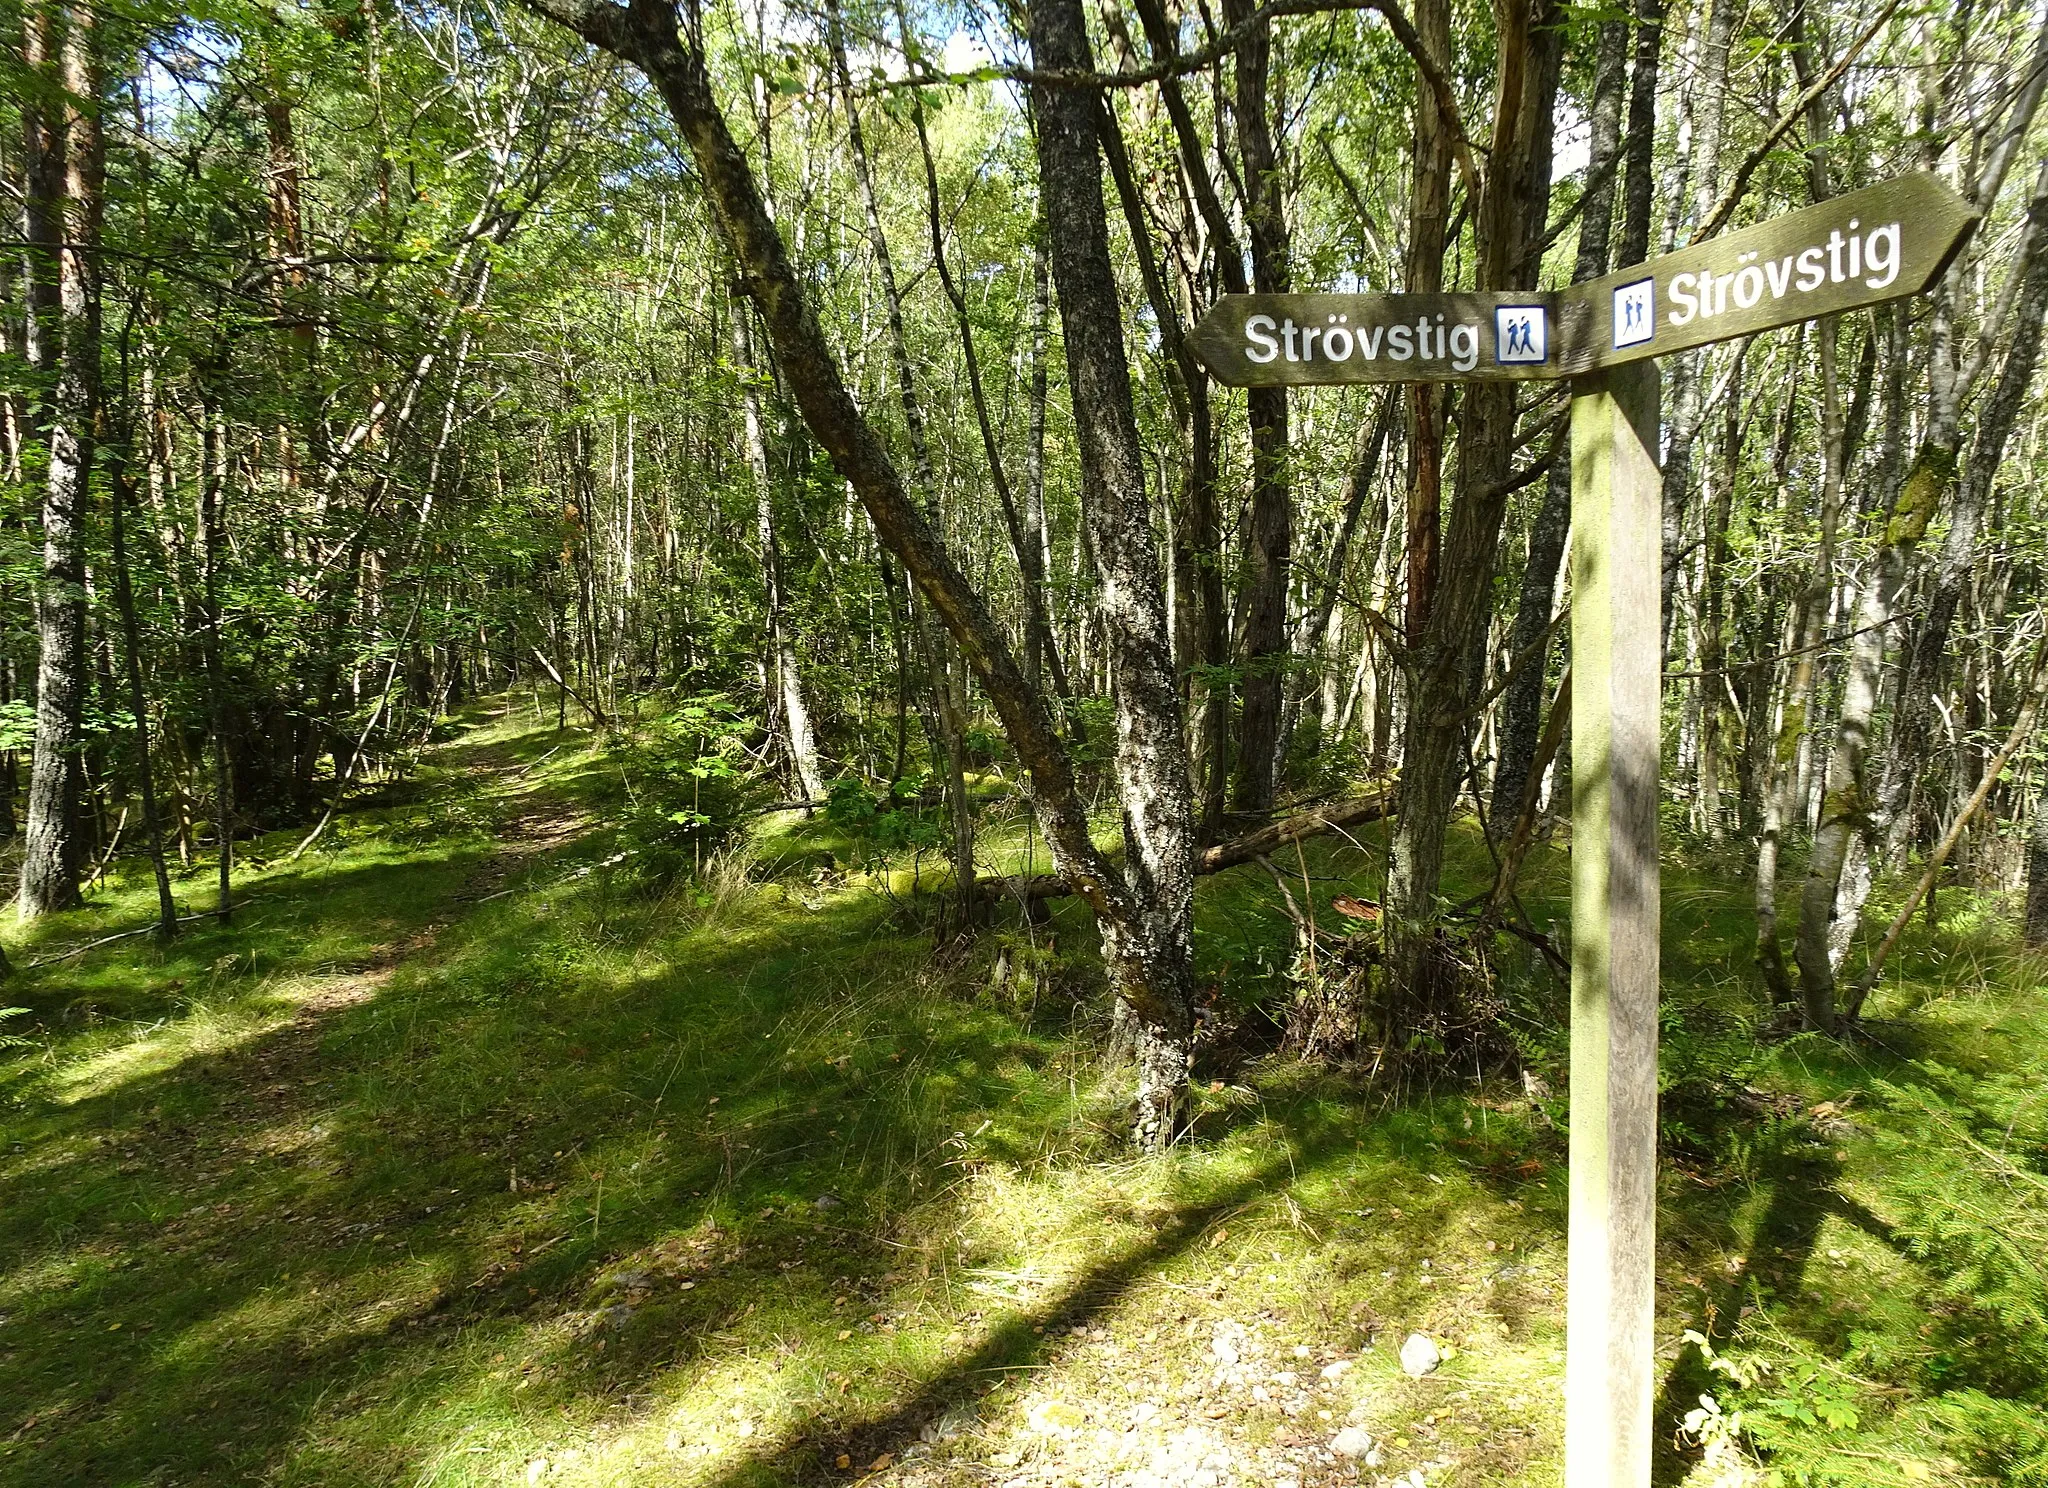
687 782
1969 1198
14 1040
880 826
17 724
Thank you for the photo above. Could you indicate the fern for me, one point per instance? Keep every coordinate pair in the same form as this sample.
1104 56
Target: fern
14 1040
2009 1436
1979 1220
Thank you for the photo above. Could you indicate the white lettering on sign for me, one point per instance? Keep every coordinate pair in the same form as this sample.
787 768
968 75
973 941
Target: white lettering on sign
1872 257
1429 339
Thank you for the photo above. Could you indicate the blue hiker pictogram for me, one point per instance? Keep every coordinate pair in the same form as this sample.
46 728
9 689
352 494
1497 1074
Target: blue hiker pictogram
1520 334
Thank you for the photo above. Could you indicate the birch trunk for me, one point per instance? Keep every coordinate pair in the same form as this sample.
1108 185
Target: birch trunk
1709 111
1951 378
787 682
1927 657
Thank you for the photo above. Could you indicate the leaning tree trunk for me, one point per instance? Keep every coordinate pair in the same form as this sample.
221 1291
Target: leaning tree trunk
50 866
1145 912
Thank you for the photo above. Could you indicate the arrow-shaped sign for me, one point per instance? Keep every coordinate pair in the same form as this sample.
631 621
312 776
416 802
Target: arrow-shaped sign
1306 339
1881 243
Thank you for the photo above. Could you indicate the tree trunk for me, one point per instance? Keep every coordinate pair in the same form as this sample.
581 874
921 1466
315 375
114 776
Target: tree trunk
1713 651
1039 650
1710 102
50 863
949 690
1270 538
1444 682
123 483
1145 911
1152 766
1809 617
1429 206
1928 655
1949 384
1522 702
1367 455
213 483
1204 536
788 683
1642 134
1793 755
2034 920
2030 708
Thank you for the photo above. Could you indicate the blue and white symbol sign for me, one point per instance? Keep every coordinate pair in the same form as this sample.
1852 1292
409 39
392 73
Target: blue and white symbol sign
1635 313
1521 334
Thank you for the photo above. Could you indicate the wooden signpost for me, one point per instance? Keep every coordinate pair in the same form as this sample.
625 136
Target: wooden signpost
1870 246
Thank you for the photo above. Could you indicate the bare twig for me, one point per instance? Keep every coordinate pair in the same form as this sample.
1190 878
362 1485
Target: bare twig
93 945
1732 197
2021 727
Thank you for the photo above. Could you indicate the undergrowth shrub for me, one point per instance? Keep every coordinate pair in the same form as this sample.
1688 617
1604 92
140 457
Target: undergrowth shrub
688 781
883 827
1951 1386
1970 1200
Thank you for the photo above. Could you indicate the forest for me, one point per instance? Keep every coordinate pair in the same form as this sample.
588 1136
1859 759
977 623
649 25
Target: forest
687 803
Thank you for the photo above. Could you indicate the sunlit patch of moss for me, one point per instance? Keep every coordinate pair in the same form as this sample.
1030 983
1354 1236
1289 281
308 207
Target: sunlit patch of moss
605 1159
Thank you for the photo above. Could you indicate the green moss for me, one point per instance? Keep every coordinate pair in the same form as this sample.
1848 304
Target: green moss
1933 472
461 1152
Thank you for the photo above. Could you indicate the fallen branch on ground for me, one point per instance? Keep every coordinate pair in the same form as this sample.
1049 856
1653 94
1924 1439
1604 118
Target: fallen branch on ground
1333 817
2037 686
93 945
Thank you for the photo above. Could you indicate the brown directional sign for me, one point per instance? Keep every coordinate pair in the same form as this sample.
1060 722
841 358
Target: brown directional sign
1881 243
1878 244
1306 339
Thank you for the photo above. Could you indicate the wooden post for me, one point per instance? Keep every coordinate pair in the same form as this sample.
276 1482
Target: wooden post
1896 239
1616 692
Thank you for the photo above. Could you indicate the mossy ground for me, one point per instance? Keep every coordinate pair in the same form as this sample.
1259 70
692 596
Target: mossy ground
465 1156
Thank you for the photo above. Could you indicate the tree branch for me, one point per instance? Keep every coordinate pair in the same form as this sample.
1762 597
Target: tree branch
1732 197
1334 817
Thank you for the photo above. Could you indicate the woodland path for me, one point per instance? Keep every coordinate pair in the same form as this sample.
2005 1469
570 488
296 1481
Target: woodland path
470 1155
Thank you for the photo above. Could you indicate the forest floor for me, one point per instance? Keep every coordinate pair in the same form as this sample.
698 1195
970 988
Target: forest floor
471 1153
